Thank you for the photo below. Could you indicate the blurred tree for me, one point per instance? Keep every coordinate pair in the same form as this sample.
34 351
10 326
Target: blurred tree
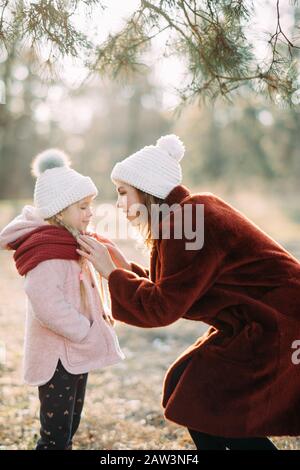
249 143
19 134
98 124
124 119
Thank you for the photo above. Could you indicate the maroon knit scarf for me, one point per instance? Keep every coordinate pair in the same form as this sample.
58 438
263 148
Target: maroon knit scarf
45 242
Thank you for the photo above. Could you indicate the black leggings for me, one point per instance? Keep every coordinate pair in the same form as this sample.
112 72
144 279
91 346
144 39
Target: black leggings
207 442
61 405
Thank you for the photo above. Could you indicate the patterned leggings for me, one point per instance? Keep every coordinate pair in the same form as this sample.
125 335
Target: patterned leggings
61 403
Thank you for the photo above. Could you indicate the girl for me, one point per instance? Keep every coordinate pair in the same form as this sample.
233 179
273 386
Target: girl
68 328
238 383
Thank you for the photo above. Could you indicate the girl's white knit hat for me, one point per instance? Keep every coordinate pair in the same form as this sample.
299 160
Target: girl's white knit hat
57 185
154 169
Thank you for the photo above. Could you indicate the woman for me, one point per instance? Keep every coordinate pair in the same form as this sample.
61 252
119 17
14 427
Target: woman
238 383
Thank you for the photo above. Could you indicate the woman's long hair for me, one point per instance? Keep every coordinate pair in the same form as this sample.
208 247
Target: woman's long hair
146 230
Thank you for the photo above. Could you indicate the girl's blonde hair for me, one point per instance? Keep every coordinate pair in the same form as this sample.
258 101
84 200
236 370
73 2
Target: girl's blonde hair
54 220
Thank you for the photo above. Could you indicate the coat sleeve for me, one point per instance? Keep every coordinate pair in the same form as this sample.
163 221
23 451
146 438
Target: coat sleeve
186 275
44 288
139 270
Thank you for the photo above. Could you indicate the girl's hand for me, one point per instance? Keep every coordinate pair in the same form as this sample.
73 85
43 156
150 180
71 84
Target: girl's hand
97 253
116 254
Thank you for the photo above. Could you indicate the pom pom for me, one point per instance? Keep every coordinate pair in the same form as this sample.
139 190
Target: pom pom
51 158
173 145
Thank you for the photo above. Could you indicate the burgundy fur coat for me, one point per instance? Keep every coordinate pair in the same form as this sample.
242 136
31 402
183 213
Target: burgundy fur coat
238 379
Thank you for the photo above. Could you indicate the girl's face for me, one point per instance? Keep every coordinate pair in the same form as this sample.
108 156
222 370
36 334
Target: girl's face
78 215
129 199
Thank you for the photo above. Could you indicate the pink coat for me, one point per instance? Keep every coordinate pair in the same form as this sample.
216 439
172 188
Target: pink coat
58 324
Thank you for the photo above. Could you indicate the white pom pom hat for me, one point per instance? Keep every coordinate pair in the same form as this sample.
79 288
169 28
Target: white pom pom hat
154 169
58 186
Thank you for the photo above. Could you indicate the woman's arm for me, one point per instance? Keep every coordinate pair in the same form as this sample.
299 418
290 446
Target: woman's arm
139 270
186 276
44 287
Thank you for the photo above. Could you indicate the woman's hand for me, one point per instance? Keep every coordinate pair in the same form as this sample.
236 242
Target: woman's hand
97 253
116 254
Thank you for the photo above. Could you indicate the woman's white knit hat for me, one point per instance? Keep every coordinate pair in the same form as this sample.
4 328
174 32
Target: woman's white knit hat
154 169
57 185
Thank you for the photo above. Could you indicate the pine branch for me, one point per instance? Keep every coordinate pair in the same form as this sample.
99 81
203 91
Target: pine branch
207 34
279 32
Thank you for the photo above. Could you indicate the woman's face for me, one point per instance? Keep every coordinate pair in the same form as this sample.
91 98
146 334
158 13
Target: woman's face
78 215
129 200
